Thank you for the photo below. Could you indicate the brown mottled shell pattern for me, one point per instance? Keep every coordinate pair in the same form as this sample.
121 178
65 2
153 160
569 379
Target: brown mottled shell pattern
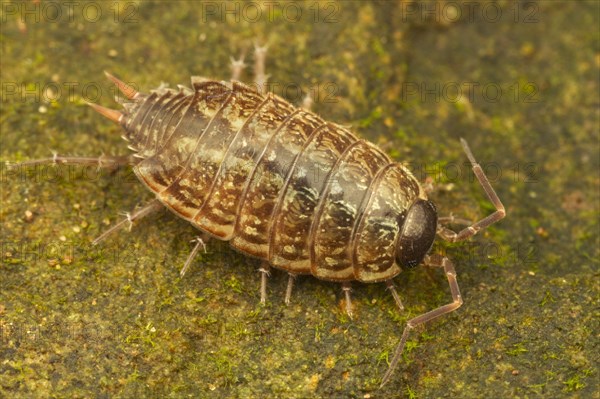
276 181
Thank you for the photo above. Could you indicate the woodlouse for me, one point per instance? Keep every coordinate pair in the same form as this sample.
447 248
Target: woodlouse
283 185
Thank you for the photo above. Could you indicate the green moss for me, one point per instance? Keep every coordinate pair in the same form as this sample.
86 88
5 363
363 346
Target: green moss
547 298
574 383
517 349
234 284
128 326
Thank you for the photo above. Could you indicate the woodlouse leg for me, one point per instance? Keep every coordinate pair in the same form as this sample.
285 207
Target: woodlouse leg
199 243
265 271
290 285
102 161
307 102
260 78
424 318
473 229
237 66
346 287
390 286
130 218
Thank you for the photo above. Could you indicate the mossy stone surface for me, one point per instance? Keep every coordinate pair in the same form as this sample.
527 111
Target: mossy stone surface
116 321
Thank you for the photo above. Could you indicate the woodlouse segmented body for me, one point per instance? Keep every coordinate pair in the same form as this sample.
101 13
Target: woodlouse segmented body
279 183
276 181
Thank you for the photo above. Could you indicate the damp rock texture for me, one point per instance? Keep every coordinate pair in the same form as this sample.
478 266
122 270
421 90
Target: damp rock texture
518 81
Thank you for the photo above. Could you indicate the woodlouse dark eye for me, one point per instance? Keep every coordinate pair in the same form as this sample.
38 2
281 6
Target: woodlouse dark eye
418 233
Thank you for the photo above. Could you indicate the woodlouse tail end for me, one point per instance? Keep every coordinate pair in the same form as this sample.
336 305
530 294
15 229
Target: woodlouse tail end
127 90
111 114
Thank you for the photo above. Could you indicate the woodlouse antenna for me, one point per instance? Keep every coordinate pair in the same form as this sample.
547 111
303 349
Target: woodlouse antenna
111 114
476 227
430 261
127 90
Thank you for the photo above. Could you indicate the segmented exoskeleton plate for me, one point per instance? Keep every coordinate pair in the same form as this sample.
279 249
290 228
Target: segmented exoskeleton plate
276 181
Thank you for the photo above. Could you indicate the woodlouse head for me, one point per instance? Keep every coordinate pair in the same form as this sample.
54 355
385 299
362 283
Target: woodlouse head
418 232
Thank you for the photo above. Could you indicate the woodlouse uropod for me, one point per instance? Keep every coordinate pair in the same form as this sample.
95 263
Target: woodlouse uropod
281 184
